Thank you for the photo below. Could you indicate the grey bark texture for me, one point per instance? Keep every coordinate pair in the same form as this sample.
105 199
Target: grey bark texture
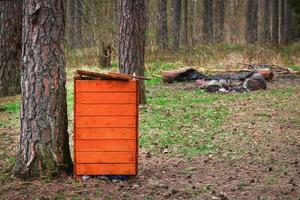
208 30
251 21
219 20
162 24
275 21
44 140
266 22
10 47
132 30
176 24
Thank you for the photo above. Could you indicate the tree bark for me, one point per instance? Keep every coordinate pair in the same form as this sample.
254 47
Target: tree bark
266 22
220 13
44 140
162 24
281 28
275 21
176 24
185 23
208 30
78 23
251 22
10 47
287 22
132 28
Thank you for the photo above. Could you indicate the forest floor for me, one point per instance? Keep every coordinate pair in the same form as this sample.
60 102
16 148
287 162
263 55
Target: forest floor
193 145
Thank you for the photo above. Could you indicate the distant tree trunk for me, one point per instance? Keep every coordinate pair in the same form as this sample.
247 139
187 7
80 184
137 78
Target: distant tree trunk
251 22
132 40
282 14
176 24
44 140
220 13
78 23
162 24
266 22
275 21
185 23
234 7
192 19
10 47
208 30
287 22
71 23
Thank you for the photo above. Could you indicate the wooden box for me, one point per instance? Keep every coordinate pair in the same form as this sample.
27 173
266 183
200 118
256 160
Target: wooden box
105 127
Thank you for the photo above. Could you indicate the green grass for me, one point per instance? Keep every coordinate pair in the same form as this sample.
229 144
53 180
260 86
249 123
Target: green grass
13 107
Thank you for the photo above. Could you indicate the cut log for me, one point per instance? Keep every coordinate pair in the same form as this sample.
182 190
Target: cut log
183 74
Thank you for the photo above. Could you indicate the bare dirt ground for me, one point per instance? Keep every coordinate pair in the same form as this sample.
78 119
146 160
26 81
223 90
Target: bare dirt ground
257 157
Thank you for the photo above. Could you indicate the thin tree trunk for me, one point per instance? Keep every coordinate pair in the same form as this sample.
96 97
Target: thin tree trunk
192 19
10 47
162 24
282 14
185 23
78 23
287 22
251 23
176 24
275 21
72 23
132 28
220 13
266 21
208 31
44 140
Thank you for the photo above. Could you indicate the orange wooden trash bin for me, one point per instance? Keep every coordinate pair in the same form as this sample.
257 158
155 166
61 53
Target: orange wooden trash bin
105 127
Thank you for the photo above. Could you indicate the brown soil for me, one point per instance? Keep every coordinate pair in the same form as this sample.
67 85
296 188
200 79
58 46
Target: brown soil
258 158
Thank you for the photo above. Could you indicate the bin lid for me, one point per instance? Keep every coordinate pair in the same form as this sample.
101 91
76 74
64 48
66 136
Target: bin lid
82 74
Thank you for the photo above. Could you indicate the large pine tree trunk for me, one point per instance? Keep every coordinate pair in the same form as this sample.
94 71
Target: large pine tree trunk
275 21
176 24
132 40
266 22
251 22
208 30
10 47
44 140
220 15
162 24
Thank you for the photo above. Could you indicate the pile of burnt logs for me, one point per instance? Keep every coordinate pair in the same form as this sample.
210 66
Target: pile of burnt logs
235 81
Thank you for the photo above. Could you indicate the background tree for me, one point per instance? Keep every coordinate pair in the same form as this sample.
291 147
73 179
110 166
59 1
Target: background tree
275 21
132 40
208 31
185 23
266 21
251 21
10 46
287 18
219 20
176 24
44 140
162 24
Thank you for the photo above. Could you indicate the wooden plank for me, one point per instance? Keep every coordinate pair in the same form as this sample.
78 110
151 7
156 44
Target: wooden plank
129 76
105 145
105 157
103 76
105 109
105 86
105 121
105 98
105 133
106 169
